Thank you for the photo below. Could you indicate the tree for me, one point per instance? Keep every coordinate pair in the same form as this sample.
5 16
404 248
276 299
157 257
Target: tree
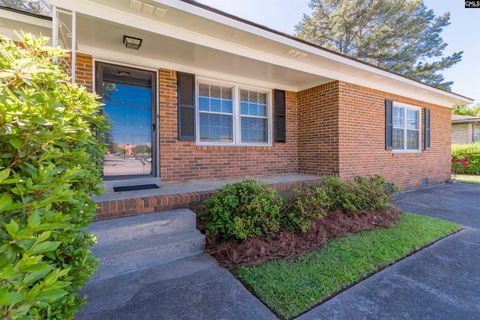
142 148
33 6
467 111
402 36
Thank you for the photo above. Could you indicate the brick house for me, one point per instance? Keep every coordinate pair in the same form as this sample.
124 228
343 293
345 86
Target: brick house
465 129
196 94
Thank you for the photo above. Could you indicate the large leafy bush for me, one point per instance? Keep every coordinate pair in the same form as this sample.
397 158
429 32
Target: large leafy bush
243 210
461 152
49 155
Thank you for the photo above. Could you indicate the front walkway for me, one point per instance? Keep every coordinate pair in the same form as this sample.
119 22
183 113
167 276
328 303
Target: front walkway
193 288
440 282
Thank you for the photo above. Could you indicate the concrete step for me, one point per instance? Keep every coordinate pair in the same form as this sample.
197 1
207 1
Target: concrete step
132 255
137 227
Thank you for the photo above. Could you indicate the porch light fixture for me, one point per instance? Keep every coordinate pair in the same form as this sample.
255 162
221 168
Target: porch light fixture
132 42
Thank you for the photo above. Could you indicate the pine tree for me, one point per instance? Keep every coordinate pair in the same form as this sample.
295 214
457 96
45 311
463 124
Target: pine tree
402 36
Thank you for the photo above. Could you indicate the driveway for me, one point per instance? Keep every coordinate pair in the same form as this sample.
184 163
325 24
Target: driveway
440 282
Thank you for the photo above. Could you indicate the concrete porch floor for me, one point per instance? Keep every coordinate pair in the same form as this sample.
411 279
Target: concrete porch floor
177 195
187 187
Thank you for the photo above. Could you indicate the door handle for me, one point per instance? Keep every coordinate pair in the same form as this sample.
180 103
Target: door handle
154 126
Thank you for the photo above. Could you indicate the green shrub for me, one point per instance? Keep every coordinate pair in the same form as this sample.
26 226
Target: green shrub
49 157
360 194
243 210
310 204
461 152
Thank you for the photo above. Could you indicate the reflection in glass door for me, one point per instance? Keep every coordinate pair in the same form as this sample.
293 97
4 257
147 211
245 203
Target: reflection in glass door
128 98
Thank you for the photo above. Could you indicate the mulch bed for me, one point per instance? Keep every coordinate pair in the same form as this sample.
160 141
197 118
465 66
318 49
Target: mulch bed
231 253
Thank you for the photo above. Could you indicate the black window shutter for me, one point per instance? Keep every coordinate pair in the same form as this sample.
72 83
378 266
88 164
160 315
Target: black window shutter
426 125
186 106
280 114
388 124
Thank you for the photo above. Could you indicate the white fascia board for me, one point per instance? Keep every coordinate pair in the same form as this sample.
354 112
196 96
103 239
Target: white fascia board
15 16
114 15
156 64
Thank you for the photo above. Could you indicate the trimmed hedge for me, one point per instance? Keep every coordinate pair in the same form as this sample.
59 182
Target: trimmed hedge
243 210
249 209
370 193
460 152
49 169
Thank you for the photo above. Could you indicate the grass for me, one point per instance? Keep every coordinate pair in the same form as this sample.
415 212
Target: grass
290 288
467 178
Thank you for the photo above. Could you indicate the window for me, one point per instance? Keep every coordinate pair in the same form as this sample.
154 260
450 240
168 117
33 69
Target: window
233 115
215 105
476 133
253 116
406 128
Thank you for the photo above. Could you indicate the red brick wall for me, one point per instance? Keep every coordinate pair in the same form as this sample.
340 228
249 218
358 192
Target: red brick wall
85 71
362 139
342 132
84 74
318 121
185 161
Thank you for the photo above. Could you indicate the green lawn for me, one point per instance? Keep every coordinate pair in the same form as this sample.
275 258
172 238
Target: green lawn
292 287
467 178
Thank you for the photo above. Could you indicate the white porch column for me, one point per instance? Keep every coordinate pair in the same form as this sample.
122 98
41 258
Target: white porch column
54 27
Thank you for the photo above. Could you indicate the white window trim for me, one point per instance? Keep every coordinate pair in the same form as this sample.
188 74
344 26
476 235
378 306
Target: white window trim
406 107
237 131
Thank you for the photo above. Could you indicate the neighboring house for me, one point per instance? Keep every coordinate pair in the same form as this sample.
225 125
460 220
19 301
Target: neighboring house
465 129
210 96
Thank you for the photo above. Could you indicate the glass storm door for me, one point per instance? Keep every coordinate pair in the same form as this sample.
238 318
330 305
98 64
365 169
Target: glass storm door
129 102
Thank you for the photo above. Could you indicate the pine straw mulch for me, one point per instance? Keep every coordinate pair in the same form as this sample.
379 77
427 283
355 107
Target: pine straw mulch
232 253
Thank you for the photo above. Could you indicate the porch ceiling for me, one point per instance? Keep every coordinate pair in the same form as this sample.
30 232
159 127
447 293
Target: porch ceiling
103 39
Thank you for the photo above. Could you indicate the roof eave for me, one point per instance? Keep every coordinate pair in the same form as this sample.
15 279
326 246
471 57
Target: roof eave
301 44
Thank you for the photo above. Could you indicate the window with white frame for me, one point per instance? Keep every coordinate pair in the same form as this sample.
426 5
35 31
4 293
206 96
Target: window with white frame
231 114
406 128
253 116
215 105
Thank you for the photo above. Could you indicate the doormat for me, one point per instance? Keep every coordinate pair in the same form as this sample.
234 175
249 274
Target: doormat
135 188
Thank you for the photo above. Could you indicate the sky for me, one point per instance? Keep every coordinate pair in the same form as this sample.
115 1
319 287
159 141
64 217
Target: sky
461 35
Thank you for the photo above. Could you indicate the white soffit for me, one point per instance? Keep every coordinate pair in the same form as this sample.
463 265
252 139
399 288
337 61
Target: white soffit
102 39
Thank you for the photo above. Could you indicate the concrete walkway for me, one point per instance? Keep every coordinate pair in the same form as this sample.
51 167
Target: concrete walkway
440 282
193 288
